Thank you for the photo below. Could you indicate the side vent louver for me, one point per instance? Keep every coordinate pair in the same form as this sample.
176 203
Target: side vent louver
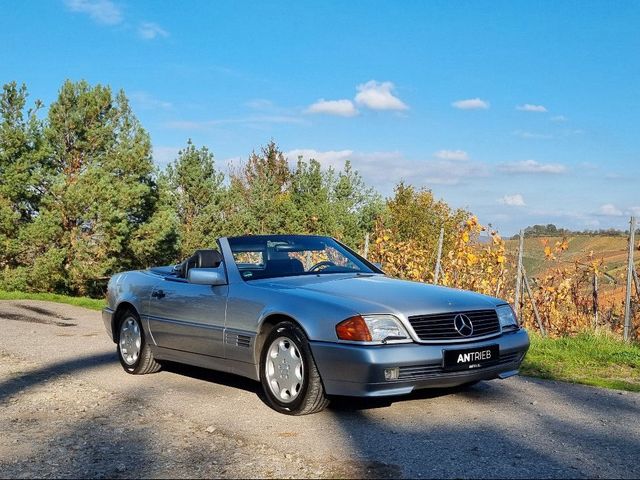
237 339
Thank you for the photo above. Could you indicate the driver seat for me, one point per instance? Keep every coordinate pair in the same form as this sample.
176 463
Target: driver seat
280 263
201 259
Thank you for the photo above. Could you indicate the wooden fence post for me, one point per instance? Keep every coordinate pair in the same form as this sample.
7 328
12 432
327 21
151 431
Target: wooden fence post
533 303
436 274
630 268
365 252
519 275
595 299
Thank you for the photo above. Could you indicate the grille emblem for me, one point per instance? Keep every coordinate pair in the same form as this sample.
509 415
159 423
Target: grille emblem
463 325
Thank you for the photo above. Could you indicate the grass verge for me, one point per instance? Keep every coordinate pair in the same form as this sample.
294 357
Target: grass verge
86 302
591 359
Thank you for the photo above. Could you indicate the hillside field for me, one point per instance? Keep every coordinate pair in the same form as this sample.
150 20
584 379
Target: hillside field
611 249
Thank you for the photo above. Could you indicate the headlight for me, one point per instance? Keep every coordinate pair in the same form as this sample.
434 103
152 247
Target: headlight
372 328
507 316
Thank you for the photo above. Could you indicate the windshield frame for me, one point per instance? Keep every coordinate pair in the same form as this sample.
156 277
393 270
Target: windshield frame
364 265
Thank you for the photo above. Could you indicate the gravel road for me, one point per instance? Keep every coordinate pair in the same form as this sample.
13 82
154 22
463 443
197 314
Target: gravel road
67 409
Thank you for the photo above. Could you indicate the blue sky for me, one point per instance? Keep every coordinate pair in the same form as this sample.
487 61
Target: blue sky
523 112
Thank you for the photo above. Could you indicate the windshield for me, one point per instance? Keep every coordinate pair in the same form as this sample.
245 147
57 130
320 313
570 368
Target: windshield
268 256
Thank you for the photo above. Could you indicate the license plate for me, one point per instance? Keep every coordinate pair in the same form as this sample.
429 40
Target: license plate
470 358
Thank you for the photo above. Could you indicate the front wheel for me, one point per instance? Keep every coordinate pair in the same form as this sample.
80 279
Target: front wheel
134 353
288 374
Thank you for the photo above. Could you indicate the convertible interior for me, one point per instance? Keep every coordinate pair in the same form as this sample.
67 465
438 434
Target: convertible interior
201 259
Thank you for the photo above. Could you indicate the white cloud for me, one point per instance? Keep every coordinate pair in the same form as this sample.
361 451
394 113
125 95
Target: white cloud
588 166
531 166
610 210
559 119
328 158
150 30
513 200
164 155
378 96
471 104
259 104
532 135
385 169
575 131
614 176
147 101
528 107
101 11
451 155
340 108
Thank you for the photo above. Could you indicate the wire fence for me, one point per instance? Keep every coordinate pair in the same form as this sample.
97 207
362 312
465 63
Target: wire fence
594 294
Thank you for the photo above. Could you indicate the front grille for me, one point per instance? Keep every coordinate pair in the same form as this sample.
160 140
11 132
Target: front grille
422 372
441 326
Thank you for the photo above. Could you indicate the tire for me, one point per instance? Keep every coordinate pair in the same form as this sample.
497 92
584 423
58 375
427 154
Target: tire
133 351
309 397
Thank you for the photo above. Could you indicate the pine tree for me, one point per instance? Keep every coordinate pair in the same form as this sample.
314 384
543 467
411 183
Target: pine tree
195 191
23 166
102 190
261 191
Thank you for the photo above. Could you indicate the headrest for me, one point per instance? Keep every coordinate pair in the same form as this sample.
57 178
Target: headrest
201 259
208 258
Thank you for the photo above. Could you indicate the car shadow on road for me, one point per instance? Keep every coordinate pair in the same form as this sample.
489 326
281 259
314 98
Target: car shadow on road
338 404
348 404
213 376
32 378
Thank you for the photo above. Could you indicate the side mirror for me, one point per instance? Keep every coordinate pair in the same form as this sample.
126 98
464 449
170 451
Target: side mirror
207 276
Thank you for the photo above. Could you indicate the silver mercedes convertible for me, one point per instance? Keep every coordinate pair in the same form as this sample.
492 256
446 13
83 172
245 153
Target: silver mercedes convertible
309 318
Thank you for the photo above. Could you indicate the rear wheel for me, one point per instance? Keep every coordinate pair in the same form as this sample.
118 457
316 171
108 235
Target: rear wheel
288 373
134 353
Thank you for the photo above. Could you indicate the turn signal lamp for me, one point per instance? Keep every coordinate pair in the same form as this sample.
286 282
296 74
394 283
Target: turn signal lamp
354 329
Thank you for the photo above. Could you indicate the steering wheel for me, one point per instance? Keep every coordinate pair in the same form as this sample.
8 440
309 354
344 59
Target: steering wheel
324 263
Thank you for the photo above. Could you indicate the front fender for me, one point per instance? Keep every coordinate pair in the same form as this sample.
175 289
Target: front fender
131 289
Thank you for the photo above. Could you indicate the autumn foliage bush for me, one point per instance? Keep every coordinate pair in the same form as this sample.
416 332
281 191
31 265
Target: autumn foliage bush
565 298
475 258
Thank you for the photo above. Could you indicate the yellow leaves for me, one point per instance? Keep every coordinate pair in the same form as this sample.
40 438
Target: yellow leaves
547 252
467 264
562 245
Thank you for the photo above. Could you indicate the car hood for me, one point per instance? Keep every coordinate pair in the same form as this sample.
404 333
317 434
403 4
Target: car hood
381 294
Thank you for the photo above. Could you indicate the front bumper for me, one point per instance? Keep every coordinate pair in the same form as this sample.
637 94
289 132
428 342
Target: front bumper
358 370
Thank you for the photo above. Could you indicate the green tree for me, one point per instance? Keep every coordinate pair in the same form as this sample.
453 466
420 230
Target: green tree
156 242
311 195
22 168
415 215
355 205
195 195
260 199
102 191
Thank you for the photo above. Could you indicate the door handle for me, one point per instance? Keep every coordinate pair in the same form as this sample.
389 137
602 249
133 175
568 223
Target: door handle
158 294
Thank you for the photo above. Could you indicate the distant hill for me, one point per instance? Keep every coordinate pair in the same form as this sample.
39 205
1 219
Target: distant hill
550 230
610 248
